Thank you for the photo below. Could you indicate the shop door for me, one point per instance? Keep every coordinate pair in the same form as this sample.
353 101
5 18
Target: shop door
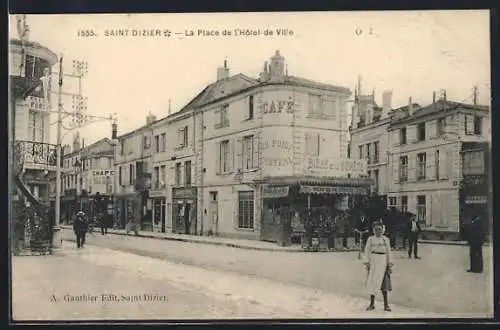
163 215
178 219
187 218
157 215
213 211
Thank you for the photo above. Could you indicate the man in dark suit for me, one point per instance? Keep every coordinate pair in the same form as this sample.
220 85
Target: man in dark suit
80 227
413 232
476 241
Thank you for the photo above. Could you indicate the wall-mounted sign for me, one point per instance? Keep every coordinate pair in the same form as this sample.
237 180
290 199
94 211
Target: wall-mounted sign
335 166
278 106
103 173
274 191
476 200
184 193
333 190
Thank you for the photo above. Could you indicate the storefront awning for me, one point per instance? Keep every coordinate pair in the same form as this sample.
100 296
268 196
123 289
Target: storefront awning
319 181
345 190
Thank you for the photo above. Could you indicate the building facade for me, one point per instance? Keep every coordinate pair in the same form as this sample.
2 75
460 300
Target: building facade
132 168
30 72
424 158
88 178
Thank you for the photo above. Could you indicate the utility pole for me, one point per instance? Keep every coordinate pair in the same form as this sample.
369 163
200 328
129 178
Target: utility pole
56 239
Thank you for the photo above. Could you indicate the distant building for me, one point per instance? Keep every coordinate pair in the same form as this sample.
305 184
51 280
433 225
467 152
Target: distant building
422 149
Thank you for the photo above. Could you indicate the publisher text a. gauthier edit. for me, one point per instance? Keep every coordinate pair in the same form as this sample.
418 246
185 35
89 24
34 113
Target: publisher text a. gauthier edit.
239 32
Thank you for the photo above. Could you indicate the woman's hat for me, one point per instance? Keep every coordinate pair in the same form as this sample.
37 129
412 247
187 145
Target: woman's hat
377 223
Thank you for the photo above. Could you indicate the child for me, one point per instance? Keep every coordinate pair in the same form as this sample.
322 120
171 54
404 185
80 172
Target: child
378 262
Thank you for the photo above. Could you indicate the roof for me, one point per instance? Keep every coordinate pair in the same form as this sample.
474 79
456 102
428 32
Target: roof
105 139
313 180
35 45
439 106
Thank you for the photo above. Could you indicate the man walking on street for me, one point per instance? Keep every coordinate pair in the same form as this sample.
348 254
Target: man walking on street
413 233
476 241
103 223
80 227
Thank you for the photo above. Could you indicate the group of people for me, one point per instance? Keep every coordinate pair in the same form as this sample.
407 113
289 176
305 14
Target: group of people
377 256
81 227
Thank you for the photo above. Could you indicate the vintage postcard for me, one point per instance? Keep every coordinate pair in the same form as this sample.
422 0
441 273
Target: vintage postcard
232 166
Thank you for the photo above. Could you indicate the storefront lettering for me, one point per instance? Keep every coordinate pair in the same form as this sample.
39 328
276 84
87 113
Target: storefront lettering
278 106
336 164
332 190
277 162
280 144
273 192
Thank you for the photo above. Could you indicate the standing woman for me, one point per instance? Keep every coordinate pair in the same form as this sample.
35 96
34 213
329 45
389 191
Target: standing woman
378 262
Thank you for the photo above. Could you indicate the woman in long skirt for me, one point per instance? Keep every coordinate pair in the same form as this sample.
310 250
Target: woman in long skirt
378 262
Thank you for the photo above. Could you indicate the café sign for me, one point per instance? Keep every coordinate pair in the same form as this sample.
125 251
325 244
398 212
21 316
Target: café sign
336 166
274 191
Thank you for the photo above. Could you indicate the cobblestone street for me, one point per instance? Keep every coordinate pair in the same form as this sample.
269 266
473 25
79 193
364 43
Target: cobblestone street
181 291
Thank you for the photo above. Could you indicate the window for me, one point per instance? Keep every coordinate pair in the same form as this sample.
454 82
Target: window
375 178
187 173
183 137
368 158
478 125
35 127
131 174
248 152
163 142
437 164
369 174
245 209
315 106
178 174
361 152
440 126
402 135
221 119
224 156
147 142
473 162
312 144
156 177
421 132
393 201
403 168
421 159
163 175
122 147
375 152
250 107
421 209
157 143
404 203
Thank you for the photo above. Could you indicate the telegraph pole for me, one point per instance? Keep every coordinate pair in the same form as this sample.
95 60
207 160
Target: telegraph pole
56 239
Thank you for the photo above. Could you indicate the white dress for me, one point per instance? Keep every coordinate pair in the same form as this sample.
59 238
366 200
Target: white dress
378 255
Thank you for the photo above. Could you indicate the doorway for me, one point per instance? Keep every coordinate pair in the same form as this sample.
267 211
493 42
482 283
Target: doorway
213 208
187 218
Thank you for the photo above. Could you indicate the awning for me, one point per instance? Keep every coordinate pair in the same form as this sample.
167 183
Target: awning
333 190
319 181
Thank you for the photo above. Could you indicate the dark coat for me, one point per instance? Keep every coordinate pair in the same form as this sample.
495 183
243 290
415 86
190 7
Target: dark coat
80 225
409 225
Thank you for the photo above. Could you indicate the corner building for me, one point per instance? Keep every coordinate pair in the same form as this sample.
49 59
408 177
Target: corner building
270 146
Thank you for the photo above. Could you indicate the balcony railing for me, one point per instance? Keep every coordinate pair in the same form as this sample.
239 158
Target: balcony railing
29 152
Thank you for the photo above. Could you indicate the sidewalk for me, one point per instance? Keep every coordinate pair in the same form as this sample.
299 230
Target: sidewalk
235 242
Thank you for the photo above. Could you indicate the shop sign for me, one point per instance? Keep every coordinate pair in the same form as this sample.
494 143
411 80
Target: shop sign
103 173
184 193
476 200
333 190
274 191
475 180
339 167
278 106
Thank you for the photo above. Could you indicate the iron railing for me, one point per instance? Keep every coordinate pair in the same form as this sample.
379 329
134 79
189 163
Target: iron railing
35 153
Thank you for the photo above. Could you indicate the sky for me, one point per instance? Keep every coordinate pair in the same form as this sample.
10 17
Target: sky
412 53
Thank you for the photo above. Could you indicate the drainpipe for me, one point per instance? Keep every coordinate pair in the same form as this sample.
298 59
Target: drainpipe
202 174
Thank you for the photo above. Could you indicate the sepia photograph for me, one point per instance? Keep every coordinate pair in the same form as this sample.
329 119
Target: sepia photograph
250 166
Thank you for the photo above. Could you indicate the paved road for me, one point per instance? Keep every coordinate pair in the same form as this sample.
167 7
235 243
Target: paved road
437 283
51 287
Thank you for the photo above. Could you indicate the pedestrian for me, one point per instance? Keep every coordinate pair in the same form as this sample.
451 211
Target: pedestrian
476 241
413 232
378 262
363 232
80 227
103 223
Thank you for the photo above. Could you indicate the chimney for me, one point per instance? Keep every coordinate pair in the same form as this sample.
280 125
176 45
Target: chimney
369 114
355 116
386 103
150 118
223 72
169 106
114 131
277 67
433 97
410 106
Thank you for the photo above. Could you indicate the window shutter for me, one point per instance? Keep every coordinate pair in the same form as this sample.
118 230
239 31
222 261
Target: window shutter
232 155
395 168
411 132
255 158
412 168
217 157
307 150
431 129
239 153
470 124
430 172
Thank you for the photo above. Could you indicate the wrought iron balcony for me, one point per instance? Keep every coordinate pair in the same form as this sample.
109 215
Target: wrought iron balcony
29 152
